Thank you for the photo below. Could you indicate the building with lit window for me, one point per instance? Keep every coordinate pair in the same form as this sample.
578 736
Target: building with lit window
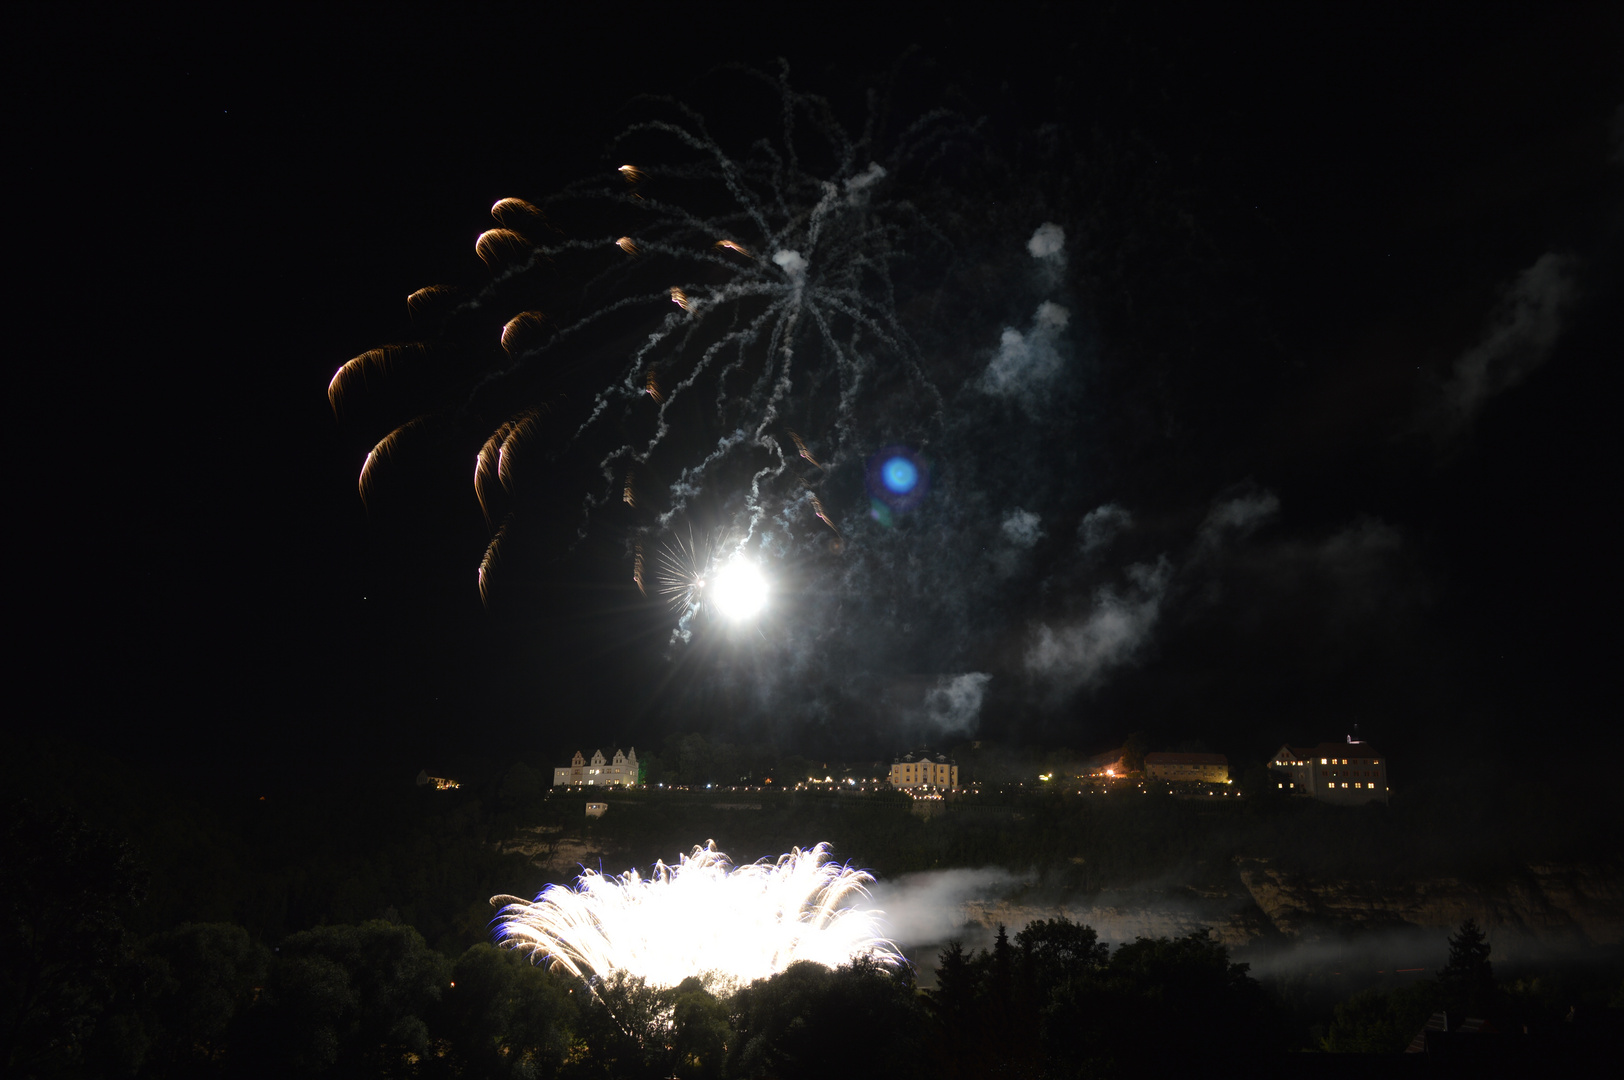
1207 768
1348 773
922 769
599 772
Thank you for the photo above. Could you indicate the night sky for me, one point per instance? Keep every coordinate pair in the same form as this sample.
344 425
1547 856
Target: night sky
1304 419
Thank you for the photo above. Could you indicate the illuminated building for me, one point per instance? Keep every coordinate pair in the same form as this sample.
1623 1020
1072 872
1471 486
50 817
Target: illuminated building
920 768
1208 768
598 772
439 783
1346 772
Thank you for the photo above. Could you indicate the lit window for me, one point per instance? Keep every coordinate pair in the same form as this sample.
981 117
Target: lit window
1344 783
1279 785
1324 762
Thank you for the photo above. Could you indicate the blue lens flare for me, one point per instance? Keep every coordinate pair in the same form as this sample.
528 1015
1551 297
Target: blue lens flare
898 480
900 475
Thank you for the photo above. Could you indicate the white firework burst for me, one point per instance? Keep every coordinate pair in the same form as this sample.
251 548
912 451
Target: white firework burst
703 917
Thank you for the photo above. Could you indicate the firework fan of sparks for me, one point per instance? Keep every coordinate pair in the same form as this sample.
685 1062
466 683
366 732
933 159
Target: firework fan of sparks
703 917
760 290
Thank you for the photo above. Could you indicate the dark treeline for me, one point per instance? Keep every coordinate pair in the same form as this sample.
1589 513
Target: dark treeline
84 996
307 851
318 924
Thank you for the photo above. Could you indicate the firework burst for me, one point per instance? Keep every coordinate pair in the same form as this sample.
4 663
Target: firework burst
702 917
758 290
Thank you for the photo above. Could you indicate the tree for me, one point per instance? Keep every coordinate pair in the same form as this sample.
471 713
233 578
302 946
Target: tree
700 1031
1133 752
521 787
786 1025
1467 980
200 980
506 1017
351 997
1380 1021
66 890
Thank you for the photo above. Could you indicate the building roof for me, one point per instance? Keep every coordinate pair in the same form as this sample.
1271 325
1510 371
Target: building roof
924 757
1186 759
1333 749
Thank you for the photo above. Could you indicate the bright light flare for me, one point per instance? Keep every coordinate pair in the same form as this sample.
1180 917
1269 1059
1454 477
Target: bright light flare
703 916
739 591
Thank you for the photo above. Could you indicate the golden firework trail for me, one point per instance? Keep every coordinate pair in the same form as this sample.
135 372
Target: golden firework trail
627 244
804 452
494 245
628 495
485 465
680 298
651 387
517 328
487 565
380 455
513 213
419 302
632 173
359 368
817 508
523 426
733 245
637 570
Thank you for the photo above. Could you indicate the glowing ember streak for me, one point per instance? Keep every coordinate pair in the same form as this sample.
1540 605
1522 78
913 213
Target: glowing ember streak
517 328
372 362
807 454
380 455
419 302
702 916
494 245
627 244
637 570
487 565
512 211
733 245
817 508
632 173
680 298
651 387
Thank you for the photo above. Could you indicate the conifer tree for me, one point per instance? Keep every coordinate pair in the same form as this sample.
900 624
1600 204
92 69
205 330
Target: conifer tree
1467 980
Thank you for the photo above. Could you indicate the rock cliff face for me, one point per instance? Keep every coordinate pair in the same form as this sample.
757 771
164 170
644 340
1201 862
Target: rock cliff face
1565 908
548 850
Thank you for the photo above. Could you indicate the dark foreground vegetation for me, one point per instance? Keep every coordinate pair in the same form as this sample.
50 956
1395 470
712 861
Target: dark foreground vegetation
322 928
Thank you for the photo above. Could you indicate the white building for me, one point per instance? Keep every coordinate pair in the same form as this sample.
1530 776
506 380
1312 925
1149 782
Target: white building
598 772
1346 772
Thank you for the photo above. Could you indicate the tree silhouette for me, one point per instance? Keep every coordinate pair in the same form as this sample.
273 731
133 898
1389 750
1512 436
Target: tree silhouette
66 890
1467 980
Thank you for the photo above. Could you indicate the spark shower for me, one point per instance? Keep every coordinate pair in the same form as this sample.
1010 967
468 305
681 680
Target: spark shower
703 916
751 300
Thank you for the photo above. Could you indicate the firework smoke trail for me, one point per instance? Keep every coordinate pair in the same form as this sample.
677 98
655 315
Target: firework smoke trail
770 276
703 916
